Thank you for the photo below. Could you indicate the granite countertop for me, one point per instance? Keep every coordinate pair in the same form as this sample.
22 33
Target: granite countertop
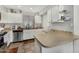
18 30
55 37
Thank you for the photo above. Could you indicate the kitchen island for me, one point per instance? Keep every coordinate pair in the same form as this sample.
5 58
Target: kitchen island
16 35
52 41
55 40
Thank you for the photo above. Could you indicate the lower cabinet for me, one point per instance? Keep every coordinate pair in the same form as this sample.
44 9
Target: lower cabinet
64 48
28 34
17 36
76 46
8 38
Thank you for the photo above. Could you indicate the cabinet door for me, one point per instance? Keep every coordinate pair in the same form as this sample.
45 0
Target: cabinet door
55 13
65 48
56 49
45 21
49 15
8 38
11 17
37 19
76 46
27 34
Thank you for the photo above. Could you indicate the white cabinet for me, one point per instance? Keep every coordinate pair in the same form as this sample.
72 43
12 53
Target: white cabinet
55 13
37 19
65 48
8 38
76 19
37 46
76 46
76 27
11 17
49 15
45 21
56 49
71 47
28 34
61 13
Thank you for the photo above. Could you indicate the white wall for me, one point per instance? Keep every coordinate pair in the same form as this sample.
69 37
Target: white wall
76 19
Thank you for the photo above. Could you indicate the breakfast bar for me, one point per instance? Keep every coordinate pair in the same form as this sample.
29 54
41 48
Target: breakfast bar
54 38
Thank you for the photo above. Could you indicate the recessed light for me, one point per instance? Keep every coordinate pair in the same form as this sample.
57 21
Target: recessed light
19 6
31 8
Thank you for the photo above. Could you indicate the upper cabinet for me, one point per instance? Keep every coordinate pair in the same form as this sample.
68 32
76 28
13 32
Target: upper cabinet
38 21
49 13
61 13
58 13
11 17
76 20
66 11
55 13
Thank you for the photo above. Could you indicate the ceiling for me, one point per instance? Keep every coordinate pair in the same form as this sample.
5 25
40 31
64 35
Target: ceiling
27 8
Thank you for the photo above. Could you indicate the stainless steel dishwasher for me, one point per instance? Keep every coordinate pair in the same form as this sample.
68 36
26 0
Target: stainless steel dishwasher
18 35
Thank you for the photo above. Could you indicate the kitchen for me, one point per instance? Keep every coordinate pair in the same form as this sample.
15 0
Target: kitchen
39 28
